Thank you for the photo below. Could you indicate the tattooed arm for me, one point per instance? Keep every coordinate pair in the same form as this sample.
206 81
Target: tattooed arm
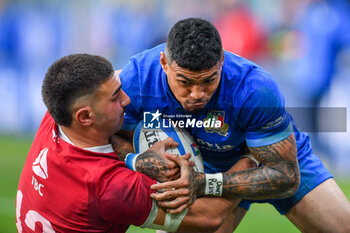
121 146
122 143
278 177
152 162
156 165
201 216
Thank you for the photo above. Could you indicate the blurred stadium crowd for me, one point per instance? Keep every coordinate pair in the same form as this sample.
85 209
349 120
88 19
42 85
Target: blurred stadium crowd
305 44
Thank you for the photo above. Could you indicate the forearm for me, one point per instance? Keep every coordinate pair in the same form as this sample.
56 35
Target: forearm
274 181
121 146
152 165
278 177
207 214
279 181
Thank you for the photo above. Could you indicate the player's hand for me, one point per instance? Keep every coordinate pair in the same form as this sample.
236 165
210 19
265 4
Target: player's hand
176 195
155 164
179 194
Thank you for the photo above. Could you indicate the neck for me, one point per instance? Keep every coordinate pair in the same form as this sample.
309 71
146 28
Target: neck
85 137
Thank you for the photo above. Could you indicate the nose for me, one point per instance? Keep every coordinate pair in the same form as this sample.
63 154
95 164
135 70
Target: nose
197 92
125 100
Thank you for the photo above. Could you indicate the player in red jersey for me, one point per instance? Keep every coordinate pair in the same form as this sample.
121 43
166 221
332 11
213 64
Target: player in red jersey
72 180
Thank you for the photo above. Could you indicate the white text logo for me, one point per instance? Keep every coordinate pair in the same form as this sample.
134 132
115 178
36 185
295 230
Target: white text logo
153 120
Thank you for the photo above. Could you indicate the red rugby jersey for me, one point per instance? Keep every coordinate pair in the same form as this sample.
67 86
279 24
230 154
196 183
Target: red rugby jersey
64 188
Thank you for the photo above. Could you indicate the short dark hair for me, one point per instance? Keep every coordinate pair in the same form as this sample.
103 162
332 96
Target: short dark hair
72 77
194 44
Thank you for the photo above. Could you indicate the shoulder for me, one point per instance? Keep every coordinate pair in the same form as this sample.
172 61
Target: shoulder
143 74
246 78
47 123
148 56
238 68
143 63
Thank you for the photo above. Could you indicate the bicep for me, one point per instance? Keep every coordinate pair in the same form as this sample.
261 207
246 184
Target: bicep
284 150
279 164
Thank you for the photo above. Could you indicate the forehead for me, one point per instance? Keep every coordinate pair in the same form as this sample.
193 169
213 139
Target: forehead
115 77
109 86
180 71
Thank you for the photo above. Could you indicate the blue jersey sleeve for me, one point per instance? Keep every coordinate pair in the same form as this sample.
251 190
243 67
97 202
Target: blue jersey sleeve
131 86
261 111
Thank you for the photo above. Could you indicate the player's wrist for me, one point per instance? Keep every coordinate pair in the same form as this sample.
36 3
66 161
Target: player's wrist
130 161
213 184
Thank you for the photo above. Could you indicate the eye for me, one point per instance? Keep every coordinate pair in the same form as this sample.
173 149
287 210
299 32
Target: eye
209 80
115 97
184 82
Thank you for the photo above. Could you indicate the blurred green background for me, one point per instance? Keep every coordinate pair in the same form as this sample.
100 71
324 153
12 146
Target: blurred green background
260 218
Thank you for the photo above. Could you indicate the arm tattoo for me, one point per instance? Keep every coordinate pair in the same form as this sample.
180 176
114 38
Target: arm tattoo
121 146
151 164
278 177
198 182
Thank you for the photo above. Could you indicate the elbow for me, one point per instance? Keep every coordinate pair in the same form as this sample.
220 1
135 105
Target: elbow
292 187
290 184
212 224
206 222
203 224
296 181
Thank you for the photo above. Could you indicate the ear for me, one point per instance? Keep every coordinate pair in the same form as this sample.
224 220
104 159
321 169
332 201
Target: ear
222 59
164 62
84 116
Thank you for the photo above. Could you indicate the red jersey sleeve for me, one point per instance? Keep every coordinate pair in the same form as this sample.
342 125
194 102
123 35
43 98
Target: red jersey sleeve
124 196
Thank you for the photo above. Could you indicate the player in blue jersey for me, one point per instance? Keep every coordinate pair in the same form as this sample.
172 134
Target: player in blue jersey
192 79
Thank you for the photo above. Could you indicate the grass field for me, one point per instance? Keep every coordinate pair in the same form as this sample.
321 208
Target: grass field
13 150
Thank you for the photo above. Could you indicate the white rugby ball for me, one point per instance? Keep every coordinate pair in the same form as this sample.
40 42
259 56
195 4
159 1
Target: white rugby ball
146 138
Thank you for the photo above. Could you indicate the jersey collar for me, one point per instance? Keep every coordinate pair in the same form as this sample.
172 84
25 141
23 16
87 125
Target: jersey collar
105 149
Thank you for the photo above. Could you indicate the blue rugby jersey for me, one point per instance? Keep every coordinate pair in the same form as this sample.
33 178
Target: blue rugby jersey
247 103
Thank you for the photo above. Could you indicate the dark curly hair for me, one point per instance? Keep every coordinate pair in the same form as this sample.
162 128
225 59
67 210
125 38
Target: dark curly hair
194 44
72 77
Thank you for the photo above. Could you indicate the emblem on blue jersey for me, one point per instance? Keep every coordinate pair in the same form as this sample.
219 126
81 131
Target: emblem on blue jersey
151 120
195 149
214 115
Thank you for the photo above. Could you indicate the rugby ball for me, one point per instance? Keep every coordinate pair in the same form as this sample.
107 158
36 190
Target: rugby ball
144 138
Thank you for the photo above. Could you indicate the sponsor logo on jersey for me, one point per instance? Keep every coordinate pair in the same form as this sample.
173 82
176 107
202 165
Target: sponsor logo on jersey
273 123
213 146
217 116
40 164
